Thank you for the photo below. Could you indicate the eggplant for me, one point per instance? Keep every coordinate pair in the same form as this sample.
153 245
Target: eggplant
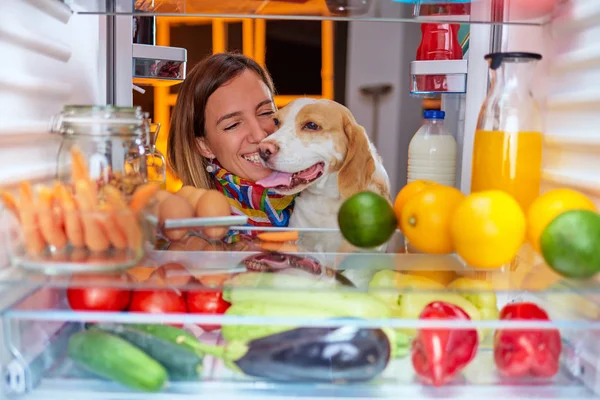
292 264
340 354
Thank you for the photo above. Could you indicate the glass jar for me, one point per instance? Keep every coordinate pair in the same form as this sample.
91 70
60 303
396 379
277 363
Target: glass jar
507 152
156 163
112 140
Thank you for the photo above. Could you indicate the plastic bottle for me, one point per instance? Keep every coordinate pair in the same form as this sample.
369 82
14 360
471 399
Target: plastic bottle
439 41
432 151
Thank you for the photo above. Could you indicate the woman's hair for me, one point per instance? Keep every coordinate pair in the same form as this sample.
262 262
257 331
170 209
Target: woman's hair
188 119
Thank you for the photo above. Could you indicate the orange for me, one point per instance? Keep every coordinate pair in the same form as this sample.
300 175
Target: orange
407 192
548 206
425 218
488 229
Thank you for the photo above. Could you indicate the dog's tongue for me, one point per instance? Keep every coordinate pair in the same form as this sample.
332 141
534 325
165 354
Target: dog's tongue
277 178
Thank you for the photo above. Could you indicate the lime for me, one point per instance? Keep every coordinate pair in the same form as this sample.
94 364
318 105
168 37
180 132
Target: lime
570 244
367 220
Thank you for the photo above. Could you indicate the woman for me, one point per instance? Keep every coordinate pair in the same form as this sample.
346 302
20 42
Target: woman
224 109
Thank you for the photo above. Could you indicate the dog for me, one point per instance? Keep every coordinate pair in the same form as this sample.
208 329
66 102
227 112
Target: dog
322 153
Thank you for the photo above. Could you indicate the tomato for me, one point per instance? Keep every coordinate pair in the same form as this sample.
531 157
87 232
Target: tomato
161 301
206 303
93 292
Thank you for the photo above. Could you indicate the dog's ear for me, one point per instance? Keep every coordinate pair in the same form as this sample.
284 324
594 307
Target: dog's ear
359 165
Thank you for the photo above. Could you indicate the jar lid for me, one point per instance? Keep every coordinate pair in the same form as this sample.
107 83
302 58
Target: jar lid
99 120
496 59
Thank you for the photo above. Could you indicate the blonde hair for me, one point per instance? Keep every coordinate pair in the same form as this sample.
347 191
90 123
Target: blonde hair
188 118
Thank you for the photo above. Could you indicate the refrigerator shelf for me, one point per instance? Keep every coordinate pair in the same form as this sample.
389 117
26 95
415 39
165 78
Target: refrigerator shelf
315 273
336 10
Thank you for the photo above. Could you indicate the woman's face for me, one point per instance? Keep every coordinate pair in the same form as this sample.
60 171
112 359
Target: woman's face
238 116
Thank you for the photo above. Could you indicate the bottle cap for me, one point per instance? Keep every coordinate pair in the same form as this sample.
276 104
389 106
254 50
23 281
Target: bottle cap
434 114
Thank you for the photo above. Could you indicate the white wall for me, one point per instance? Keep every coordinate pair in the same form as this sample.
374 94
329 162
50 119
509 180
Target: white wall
49 59
381 52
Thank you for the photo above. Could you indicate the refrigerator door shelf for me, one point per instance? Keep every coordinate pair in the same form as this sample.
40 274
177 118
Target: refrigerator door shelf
158 65
438 76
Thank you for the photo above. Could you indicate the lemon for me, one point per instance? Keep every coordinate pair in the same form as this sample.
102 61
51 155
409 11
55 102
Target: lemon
367 220
548 206
488 229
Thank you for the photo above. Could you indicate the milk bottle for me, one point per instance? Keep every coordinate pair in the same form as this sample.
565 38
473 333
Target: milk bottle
432 151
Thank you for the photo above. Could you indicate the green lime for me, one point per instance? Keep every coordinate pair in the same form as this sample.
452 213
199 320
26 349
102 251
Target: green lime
570 244
367 220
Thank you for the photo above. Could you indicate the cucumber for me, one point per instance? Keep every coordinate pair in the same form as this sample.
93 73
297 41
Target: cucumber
181 363
169 333
113 358
250 332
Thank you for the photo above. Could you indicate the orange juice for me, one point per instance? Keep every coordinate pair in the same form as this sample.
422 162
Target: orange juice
508 161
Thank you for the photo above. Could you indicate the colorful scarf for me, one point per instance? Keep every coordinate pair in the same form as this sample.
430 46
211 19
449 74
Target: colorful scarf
261 205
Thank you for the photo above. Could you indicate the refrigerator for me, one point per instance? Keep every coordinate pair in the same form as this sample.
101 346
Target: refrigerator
56 53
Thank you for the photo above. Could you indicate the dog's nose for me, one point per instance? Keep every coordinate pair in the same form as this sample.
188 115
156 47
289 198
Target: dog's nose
267 149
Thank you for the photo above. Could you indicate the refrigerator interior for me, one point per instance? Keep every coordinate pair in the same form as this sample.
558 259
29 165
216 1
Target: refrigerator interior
81 53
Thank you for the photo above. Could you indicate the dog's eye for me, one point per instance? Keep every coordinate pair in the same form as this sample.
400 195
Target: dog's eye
311 126
276 121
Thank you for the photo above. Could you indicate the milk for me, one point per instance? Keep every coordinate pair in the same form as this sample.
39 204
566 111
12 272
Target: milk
432 151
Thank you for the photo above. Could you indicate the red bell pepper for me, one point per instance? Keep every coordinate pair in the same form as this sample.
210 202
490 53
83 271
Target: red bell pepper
438 355
526 352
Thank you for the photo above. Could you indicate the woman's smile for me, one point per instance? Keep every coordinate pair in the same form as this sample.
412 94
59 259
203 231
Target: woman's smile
252 158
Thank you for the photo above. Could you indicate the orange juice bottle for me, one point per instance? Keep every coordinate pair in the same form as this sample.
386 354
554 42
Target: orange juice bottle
507 152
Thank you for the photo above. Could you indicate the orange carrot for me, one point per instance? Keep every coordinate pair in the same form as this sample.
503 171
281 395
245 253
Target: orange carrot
142 196
279 247
79 167
10 203
285 236
34 241
49 226
71 217
126 219
95 239
108 223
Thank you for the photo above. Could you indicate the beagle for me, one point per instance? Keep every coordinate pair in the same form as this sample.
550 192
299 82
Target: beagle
319 150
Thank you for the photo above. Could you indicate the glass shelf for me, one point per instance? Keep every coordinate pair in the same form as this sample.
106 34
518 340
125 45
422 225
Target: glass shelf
318 281
324 254
417 11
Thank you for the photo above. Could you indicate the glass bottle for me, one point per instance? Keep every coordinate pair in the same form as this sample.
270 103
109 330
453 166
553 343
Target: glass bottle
111 139
507 152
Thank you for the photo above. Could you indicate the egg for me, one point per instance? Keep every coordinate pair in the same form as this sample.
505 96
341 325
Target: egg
191 194
172 274
213 204
175 207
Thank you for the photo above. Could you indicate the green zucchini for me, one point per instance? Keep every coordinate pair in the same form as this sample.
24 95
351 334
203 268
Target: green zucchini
113 358
162 343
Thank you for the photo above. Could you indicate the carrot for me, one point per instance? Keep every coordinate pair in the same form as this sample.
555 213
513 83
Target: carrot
34 241
10 203
71 217
79 167
95 239
279 247
49 225
126 219
142 196
286 236
107 220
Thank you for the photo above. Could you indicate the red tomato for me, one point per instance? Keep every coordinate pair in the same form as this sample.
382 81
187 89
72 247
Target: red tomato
160 301
206 303
93 292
